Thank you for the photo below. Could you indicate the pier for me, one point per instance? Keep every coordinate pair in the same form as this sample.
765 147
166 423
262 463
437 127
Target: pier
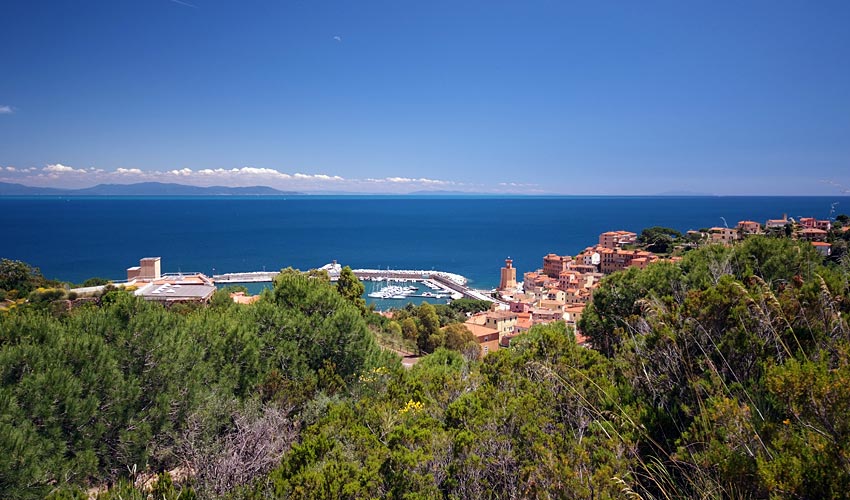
249 277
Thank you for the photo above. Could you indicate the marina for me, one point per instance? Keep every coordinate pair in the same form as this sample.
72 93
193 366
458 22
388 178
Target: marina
384 284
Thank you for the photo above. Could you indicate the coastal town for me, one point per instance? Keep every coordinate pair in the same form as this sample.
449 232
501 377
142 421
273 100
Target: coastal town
557 291
561 289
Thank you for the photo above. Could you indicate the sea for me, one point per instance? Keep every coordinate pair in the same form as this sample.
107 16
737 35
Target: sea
75 238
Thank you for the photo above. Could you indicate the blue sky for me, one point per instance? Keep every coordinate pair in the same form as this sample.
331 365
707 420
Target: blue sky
395 96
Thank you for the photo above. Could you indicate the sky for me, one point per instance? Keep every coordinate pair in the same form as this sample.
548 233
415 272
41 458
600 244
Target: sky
532 96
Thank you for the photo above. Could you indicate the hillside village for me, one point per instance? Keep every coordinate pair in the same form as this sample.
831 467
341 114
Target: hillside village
564 285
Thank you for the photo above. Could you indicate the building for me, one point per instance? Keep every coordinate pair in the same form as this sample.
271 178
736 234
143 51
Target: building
812 234
573 313
808 222
823 224
508 276
824 249
487 338
149 268
812 223
723 235
617 260
749 227
503 322
175 289
241 298
554 265
776 223
569 278
616 239
535 282
151 285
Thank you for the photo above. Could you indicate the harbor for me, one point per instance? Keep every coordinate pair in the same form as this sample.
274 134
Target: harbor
383 284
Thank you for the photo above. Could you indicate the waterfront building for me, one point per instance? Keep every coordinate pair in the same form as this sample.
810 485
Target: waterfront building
723 235
554 265
508 276
616 239
617 259
776 223
176 289
812 223
149 268
151 285
748 227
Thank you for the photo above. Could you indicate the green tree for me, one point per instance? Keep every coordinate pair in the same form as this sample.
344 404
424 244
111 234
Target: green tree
409 330
351 288
459 338
658 239
430 334
20 276
94 282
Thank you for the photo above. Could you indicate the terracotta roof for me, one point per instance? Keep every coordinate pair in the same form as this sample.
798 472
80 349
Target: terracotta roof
502 315
480 331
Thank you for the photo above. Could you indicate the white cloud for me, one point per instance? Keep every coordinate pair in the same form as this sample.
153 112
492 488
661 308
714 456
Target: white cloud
244 171
182 171
259 171
6 110
128 171
58 168
411 180
320 177
517 184
11 169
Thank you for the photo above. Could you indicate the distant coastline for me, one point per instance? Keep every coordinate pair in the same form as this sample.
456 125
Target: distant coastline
143 189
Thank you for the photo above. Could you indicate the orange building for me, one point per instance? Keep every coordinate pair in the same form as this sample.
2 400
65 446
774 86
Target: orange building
749 227
487 338
617 260
554 265
508 276
616 239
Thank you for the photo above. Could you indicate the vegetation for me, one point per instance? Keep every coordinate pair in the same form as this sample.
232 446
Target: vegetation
725 375
658 239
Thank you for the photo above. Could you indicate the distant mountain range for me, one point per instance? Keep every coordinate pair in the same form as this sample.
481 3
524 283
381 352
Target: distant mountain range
142 189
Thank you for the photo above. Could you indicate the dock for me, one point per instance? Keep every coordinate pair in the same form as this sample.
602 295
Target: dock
249 277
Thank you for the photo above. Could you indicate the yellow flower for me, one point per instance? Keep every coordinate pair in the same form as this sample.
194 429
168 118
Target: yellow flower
412 406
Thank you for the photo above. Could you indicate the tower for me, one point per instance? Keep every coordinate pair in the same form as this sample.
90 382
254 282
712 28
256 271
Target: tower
508 280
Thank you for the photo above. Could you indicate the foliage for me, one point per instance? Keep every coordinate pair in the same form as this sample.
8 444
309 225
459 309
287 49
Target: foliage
94 282
351 289
19 277
86 395
725 375
658 239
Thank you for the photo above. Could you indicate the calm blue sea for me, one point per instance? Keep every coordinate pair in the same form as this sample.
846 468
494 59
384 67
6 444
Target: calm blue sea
76 238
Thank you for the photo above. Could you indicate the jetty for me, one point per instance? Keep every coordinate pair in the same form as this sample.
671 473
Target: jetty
249 277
